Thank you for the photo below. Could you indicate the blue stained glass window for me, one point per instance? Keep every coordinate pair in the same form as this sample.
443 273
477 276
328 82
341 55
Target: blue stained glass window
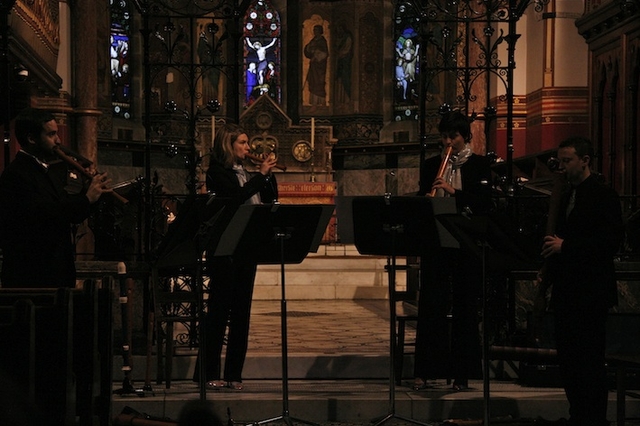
262 52
119 58
406 73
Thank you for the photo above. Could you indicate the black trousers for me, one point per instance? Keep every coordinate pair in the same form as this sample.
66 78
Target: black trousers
447 335
229 308
581 344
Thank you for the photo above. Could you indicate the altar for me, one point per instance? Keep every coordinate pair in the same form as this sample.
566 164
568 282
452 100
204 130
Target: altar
311 193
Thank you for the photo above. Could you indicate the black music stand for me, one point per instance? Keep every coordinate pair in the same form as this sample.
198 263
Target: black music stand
284 234
482 238
199 225
399 226
471 232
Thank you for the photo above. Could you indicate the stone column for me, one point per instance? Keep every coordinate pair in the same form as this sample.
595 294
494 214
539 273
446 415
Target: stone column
85 21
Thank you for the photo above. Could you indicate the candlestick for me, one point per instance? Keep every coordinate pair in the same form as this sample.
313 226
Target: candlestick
213 129
313 133
313 145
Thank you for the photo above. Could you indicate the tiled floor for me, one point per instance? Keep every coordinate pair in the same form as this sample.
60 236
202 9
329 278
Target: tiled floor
322 327
338 373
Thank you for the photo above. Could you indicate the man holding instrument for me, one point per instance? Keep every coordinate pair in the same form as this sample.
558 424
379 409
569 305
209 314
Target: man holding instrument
38 206
579 267
449 280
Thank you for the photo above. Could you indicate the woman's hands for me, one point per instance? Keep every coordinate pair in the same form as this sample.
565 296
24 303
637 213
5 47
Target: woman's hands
267 164
552 245
440 183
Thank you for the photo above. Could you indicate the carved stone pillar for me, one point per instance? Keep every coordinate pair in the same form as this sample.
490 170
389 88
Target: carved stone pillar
84 28
84 17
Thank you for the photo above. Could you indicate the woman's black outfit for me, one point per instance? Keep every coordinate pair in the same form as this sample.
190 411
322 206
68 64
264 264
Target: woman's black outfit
451 283
231 278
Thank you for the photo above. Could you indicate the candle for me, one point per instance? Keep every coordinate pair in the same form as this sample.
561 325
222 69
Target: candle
213 129
313 133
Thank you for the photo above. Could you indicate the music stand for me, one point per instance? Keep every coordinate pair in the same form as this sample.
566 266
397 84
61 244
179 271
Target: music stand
473 233
344 218
399 226
469 230
284 234
199 224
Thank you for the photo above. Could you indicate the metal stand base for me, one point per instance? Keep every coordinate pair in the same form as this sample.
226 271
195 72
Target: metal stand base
392 416
392 346
285 418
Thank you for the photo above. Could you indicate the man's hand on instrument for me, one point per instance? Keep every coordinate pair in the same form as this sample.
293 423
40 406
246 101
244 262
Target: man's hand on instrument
100 184
552 245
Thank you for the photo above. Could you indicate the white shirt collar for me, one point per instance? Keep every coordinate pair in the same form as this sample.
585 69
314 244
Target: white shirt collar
44 165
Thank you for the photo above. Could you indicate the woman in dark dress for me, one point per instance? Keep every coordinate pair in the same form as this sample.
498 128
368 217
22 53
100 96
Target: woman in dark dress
232 278
451 278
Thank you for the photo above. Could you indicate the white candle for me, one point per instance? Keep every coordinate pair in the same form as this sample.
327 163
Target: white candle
213 129
313 133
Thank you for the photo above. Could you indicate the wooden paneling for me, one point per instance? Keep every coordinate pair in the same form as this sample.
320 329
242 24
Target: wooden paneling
613 34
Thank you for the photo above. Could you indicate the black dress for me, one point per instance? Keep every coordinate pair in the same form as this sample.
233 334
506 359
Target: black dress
450 285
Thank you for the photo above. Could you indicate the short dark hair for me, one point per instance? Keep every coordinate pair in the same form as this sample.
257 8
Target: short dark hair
30 122
455 121
581 145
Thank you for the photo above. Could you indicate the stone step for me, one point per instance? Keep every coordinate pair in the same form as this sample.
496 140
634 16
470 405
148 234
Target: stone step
361 402
269 366
335 272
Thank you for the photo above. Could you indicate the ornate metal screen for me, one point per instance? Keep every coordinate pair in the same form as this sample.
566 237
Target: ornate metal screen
456 54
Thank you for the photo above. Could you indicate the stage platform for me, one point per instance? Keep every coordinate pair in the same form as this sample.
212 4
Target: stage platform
338 373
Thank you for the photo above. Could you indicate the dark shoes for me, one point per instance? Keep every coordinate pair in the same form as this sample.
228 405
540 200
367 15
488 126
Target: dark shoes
560 422
419 384
460 385
221 384
215 384
235 386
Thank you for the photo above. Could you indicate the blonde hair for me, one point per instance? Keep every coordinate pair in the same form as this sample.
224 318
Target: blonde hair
222 150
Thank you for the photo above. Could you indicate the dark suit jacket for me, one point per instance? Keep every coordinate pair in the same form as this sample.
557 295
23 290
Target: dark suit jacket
476 182
223 182
229 195
35 225
583 275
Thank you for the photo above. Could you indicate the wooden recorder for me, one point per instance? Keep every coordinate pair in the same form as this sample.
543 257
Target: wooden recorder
60 152
443 167
260 160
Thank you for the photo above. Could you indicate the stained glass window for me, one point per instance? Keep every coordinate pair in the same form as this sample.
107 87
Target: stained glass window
261 40
119 58
406 65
